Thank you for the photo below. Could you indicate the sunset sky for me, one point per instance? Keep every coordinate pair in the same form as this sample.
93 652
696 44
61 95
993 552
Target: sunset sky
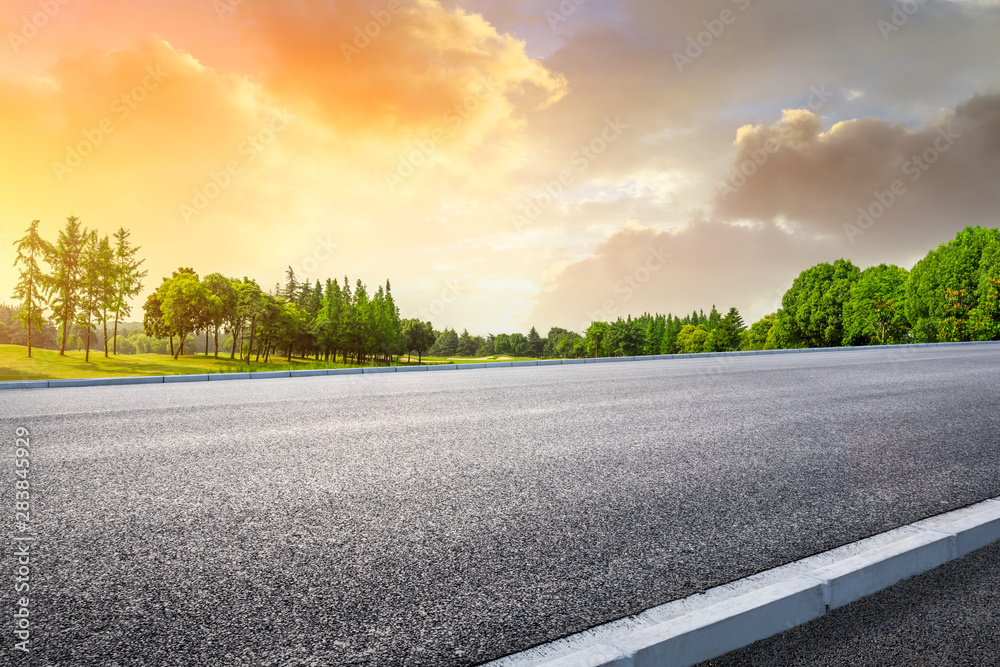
505 163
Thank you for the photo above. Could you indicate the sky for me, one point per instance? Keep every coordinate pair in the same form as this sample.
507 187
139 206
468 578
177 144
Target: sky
505 163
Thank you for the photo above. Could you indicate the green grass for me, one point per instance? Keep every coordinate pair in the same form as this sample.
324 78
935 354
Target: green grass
48 365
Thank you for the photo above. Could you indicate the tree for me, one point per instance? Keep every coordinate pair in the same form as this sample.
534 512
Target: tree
184 301
152 320
875 311
945 284
501 344
108 288
64 282
31 287
446 344
727 334
692 339
624 338
94 262
466 345
224 308
596 333
756 337
783 334
813 308
128 278
536 344
418 337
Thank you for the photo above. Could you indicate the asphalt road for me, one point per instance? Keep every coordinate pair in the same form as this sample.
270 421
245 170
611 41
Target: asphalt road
451 518
948 616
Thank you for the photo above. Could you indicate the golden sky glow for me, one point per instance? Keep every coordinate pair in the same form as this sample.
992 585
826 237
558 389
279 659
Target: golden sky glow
504 163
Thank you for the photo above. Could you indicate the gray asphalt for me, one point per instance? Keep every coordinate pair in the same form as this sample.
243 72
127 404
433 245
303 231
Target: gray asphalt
948 616
451 518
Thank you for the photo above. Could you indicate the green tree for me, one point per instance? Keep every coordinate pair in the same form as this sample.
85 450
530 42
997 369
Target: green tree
756 337
446 344
466 344
108 285
67 273
536 345
183 302
95 262
945 284
783 334
692 339
501 345
223 309
875 311
128 278
727 334
813 308
30 290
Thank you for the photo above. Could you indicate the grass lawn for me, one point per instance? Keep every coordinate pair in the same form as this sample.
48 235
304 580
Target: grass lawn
48 365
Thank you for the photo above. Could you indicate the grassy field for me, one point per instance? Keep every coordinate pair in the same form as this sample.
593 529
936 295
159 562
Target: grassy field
48 365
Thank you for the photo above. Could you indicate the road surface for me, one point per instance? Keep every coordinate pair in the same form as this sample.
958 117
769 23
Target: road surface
454 517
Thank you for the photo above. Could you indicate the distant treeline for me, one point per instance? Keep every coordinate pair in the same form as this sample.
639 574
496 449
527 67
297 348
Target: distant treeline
953 294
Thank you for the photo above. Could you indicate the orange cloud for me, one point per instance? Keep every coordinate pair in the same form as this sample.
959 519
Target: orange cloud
397 68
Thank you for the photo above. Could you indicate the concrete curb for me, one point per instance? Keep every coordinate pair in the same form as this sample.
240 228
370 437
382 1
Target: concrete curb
256 375
723 619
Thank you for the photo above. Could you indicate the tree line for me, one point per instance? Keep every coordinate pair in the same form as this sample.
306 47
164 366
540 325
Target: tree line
953 294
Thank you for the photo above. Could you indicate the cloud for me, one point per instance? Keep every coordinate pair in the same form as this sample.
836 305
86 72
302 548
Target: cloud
914 185
638 270
398 69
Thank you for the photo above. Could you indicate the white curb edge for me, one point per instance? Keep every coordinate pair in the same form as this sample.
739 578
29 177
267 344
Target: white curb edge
728 617
257 375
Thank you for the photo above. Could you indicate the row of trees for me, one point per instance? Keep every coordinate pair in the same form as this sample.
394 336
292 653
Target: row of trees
953 294
89 280
318 320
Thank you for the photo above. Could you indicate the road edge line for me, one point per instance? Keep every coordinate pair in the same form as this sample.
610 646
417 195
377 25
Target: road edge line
725 618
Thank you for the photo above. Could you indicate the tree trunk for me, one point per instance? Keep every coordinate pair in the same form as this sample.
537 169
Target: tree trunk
115 346
172 346
29 341
216 342
180 346
86 356
105 334
65 332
